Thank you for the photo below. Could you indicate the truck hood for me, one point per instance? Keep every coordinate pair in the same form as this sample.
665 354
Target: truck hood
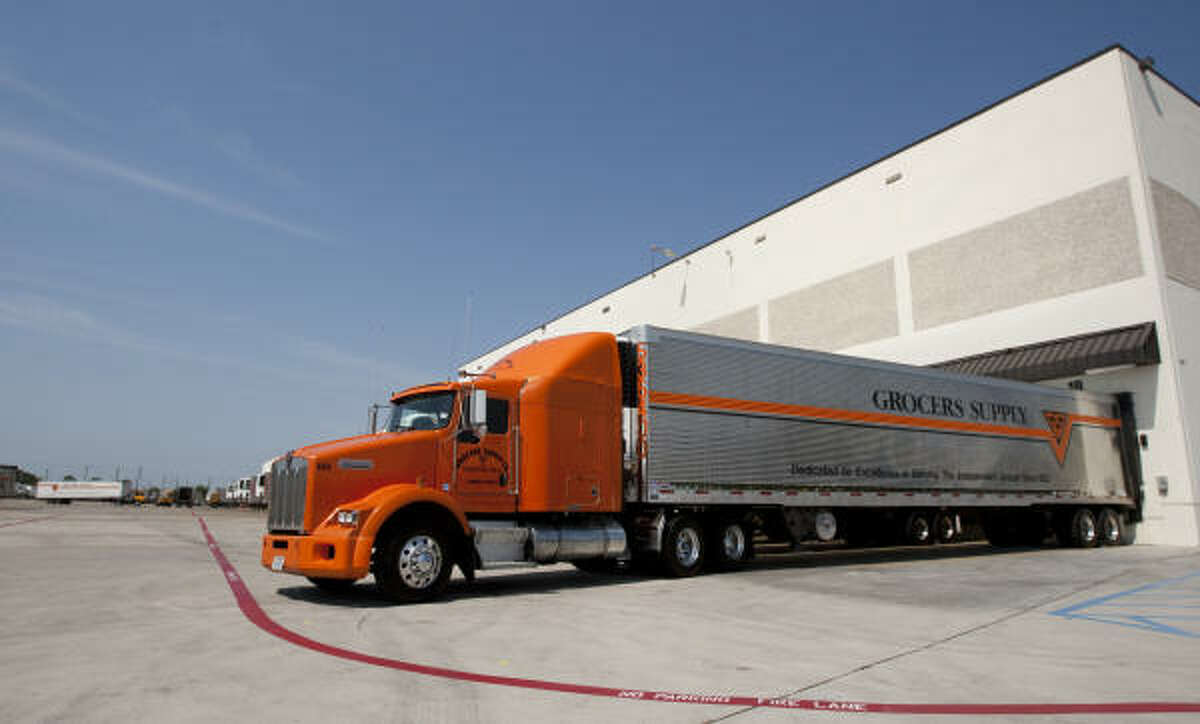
359 444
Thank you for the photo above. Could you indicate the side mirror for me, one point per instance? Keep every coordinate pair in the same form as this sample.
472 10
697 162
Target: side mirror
476 423
478 408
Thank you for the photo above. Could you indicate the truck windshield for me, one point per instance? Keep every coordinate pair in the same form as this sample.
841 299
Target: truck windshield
430 411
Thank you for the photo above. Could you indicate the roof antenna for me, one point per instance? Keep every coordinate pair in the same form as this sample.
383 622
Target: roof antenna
466 342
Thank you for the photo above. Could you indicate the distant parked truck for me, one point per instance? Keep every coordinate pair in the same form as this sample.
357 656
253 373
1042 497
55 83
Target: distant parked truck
681 449
262 484
183 496
67 490
239 492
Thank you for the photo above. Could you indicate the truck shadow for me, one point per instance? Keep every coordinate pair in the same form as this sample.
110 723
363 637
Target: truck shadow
833 557
534 582
543 582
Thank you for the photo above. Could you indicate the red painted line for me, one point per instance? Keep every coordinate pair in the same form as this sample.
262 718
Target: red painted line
27 520
252 611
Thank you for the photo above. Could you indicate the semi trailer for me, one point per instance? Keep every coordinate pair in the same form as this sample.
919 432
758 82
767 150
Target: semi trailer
683 450
64 491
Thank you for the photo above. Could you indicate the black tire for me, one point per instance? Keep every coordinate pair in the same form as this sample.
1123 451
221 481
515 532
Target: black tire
1130 535
918 530
1110 527
413 563
682 552
1083 532
945 527
332 585
731 544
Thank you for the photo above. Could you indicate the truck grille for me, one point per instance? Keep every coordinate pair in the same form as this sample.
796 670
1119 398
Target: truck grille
289 486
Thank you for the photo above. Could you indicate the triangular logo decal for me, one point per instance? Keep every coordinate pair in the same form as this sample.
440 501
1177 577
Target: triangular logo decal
1060 433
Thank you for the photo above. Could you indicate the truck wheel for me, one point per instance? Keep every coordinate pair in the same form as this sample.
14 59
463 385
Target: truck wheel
1111 527
1129 536
332 585
825 525
413 563
1083 532
731 544
917 529
945 527
682 547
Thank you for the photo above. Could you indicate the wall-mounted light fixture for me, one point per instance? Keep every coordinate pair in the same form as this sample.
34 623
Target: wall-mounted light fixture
893 178
665 251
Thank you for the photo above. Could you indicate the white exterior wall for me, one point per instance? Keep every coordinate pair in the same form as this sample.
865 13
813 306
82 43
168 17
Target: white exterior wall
1167 127
869 268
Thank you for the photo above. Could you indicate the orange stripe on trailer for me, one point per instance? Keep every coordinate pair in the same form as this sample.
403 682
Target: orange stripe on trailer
1061 424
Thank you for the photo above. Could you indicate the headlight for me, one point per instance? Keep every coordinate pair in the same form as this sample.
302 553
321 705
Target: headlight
347 517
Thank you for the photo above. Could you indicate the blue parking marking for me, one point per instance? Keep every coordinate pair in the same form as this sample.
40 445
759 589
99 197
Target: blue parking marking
1170 606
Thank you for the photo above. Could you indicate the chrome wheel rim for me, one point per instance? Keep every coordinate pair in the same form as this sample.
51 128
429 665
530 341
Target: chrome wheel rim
687 547
733 542
918 530
420 561
1111 528
1087 529
826 526
945 528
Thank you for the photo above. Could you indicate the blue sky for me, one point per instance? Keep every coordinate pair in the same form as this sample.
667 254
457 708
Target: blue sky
225 228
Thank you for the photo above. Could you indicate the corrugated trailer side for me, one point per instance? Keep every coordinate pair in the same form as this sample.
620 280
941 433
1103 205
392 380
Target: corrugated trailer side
728 422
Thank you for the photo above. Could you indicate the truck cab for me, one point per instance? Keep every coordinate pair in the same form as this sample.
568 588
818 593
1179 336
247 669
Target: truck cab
521 463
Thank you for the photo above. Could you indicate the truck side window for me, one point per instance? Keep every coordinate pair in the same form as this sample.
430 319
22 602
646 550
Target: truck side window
497 416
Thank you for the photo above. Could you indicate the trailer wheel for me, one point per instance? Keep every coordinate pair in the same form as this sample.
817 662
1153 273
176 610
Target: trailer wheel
1083 532
1111 527
413 563
825 525
731 544
945 527
332 585
682 547
1129 534
917 529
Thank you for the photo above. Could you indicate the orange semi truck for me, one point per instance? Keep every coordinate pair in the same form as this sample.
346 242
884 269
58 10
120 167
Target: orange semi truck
682 449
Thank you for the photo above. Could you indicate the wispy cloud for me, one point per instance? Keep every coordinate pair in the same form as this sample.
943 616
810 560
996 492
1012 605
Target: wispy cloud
43 314
238 147
11 81
50 151
308 361
234 145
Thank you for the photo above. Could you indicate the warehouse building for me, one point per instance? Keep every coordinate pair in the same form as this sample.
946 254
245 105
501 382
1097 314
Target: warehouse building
8 481
1053 237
